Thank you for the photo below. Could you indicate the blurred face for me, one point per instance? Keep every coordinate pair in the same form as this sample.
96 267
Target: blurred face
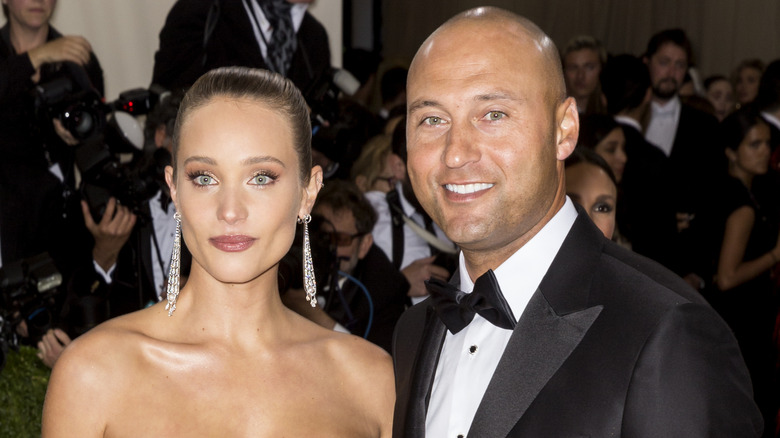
238 189
484 137
752 156
581 69
613 150
721 96
667 70
350 247
30 13
748 80
591 187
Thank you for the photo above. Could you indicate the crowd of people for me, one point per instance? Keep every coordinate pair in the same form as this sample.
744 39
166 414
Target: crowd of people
253 133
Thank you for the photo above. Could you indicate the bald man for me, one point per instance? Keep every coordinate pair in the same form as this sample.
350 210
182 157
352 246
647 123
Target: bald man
558 332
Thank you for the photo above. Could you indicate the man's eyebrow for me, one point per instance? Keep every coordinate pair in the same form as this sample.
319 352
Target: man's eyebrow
420 104
262 159
500 95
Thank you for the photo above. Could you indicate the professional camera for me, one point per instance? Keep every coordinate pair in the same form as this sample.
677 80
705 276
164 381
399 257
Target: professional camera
27 293
110 155
323 95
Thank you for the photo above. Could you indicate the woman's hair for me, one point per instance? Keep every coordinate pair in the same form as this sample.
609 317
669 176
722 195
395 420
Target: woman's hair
256 85
713 79
735 127
372 159
588 156
594 128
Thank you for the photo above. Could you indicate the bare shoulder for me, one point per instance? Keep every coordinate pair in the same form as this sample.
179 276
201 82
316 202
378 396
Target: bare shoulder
83 386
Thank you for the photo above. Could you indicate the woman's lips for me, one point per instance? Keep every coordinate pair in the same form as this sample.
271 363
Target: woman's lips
232 243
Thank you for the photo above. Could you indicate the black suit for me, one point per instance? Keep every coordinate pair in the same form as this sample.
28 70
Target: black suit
179 61
611 344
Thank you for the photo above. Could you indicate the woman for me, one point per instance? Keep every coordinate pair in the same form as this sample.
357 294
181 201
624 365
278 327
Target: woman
720 93
591 183
746 79
225 357
749 249
378 168
603 135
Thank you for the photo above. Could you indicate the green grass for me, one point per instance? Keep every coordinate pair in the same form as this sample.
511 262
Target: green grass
22 390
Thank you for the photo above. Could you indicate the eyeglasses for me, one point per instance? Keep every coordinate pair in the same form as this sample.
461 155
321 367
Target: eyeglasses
343 239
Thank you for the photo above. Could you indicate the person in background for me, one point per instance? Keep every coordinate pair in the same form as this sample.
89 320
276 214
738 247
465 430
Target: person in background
591 184
378 168
583 58
721 95
746 78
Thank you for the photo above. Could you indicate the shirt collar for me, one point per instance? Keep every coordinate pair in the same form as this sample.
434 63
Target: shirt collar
625 120
771 119
668 109
522 273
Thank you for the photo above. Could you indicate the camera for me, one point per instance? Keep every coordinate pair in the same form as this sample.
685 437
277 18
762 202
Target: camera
27 293
110 155
323 95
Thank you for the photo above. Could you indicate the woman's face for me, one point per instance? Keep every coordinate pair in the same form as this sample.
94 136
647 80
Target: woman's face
591 187
748 80
30 13
721 96
752 156
238 188
613 150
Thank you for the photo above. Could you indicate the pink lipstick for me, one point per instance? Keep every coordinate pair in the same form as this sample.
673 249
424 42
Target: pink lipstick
233 243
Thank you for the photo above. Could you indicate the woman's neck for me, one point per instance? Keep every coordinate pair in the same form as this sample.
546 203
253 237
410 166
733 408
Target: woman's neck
25 38
745 177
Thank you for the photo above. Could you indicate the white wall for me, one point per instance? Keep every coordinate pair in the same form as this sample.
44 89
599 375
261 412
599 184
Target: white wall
124 34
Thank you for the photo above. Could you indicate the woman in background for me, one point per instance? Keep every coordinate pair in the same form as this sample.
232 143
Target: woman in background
224 357
746 78
720 93
591 183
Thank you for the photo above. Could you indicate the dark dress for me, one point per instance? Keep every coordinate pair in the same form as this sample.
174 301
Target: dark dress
750 308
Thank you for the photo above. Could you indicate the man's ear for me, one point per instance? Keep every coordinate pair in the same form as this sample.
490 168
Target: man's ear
567 128
365 244
309 192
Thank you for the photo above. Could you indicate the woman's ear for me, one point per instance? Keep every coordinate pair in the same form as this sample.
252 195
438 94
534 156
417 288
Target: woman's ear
171 186
730 154
310 191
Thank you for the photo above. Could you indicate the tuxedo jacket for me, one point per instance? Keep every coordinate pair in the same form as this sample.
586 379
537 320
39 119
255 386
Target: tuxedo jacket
179 61
610 344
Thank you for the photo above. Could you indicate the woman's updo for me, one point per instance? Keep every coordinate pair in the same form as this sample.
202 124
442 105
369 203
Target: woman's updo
268 88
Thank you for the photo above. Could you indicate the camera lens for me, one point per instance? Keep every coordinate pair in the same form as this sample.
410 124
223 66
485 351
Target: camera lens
81 120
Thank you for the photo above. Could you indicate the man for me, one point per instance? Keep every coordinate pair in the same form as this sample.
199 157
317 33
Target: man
583 59
685 134
277 35
605 342
646 214
351 219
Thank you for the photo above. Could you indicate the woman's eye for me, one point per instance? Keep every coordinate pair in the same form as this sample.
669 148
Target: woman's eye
602 208
204 180
262 179
495 115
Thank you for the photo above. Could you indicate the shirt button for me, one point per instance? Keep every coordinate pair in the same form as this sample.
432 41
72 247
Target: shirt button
473 350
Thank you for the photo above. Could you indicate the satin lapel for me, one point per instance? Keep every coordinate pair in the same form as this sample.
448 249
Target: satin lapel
538 347
422 377
552 325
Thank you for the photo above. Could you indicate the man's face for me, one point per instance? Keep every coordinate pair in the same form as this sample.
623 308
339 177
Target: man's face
482 134
581 69
667 70
343 222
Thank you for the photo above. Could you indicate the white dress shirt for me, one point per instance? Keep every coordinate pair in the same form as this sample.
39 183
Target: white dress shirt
415 247
469 358
663 124
164 226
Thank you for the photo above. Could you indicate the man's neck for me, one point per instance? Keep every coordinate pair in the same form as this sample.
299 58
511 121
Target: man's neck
24 38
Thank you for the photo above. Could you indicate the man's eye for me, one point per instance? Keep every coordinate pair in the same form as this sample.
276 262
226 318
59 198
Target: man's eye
495 115
433 120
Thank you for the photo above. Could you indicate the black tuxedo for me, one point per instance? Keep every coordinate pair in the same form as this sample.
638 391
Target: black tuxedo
178 62
610 344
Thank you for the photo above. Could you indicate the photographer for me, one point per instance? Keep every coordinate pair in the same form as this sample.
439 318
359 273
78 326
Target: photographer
33 52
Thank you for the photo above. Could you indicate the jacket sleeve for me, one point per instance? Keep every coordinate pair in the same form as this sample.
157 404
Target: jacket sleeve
690 380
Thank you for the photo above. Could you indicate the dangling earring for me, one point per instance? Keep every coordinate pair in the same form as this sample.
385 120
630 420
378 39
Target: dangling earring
309 283
173 276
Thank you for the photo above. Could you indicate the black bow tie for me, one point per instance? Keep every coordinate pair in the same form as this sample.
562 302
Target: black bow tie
456 308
